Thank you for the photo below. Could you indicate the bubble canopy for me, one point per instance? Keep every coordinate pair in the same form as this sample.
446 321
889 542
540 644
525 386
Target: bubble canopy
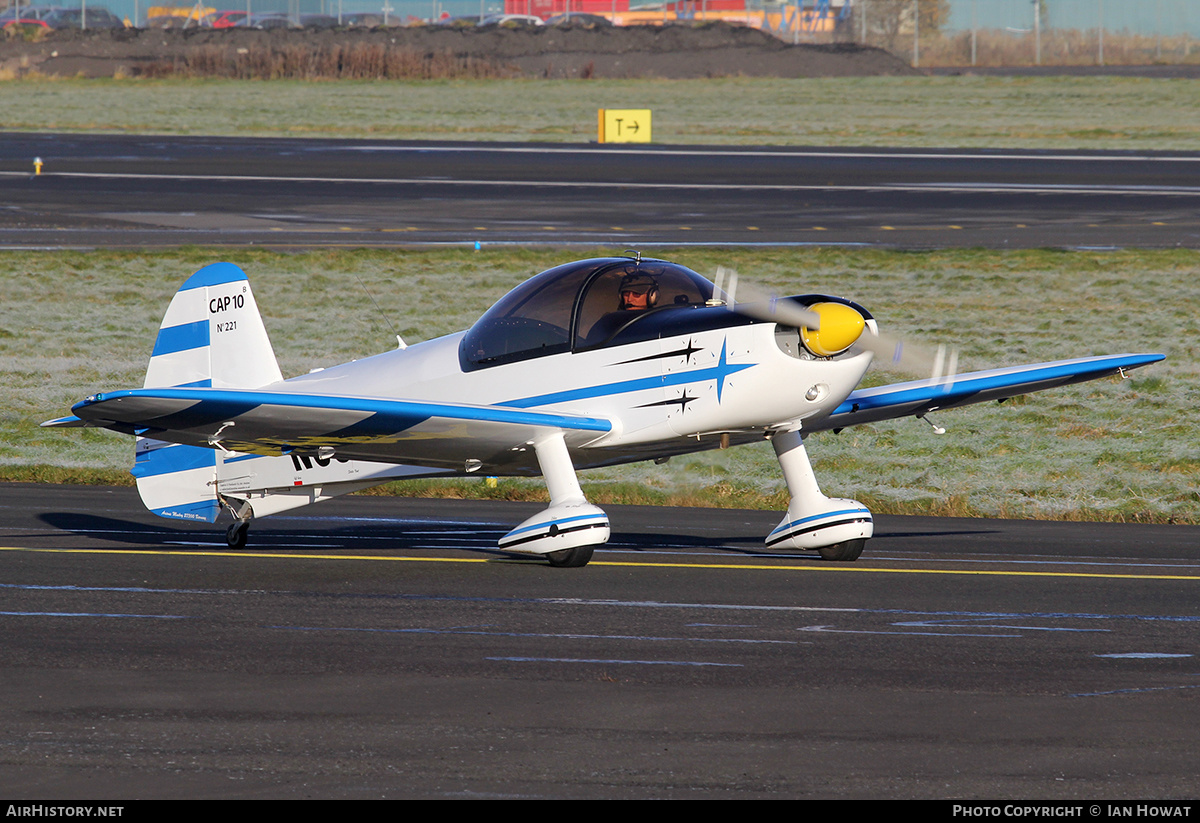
583 305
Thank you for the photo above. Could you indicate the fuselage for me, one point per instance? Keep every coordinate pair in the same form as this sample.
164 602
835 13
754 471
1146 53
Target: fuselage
669 394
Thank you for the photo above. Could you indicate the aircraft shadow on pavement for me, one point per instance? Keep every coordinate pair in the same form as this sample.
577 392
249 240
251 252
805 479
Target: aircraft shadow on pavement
666 542
110 528
277 535
751 544
308 534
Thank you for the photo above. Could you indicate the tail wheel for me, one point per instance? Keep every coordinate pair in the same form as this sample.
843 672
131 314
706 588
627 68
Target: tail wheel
237 534
845 551
570 558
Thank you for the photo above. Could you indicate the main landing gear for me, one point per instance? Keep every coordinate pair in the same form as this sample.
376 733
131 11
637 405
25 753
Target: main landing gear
566 533
836 528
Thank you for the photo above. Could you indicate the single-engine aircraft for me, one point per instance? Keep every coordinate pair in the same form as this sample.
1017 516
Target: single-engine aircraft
592 363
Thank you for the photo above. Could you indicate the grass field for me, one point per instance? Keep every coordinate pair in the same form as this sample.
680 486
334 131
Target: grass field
76 323
1001 112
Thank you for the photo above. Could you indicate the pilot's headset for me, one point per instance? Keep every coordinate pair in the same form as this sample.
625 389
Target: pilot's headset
639 283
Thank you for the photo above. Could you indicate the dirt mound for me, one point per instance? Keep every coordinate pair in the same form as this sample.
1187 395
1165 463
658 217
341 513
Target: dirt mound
674 51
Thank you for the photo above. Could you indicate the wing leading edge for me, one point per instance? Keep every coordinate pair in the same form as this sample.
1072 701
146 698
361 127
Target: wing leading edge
923 396
274 423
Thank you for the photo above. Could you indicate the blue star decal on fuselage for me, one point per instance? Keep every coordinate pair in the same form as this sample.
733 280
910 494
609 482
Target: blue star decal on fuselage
725 370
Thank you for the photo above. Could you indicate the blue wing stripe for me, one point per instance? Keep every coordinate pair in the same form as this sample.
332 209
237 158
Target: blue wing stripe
403 410
965 386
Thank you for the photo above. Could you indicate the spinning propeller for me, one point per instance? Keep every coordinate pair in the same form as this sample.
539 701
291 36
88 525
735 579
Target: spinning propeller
828 328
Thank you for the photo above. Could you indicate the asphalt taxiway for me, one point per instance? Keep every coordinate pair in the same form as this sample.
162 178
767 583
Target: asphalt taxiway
132 191
380 647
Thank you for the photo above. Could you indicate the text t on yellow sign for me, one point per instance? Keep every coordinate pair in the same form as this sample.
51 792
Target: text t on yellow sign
624 125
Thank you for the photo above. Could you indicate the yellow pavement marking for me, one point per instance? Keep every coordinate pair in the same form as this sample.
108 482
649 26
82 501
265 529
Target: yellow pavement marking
834 567
255 555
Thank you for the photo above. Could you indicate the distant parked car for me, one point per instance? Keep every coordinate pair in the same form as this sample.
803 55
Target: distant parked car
226 19
272 20
97 17
579 19
26 25
318 21
25 13
511 20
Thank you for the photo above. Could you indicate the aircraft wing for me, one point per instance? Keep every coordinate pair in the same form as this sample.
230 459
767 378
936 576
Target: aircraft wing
921 396
365 428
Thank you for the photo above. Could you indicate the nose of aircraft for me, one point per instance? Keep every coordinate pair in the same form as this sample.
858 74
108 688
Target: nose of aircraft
840 327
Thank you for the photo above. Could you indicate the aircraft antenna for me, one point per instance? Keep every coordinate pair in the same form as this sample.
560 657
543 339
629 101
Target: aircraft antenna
400 344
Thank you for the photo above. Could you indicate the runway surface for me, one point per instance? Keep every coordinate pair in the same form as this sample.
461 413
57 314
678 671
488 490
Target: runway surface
379 647
122 191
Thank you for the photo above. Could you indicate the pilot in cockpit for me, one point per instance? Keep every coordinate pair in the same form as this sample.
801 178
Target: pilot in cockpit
637 292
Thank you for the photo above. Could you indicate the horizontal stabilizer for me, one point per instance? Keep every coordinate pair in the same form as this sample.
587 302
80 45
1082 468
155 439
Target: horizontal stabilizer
68 422
177 482
923 396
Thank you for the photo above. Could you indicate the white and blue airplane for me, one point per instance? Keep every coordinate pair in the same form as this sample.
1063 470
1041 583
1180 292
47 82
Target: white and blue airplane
592 363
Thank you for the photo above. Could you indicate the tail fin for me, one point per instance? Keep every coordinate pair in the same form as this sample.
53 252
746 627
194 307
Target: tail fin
211 336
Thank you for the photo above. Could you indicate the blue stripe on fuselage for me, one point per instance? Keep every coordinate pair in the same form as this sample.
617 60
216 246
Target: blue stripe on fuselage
718 372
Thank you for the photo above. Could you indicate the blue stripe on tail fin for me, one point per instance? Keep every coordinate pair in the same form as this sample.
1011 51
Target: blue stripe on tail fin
211 336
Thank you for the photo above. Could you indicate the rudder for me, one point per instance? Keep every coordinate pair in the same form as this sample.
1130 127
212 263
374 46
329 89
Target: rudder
212 335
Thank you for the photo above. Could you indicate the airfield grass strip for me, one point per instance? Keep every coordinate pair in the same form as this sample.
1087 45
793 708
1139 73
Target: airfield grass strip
1111 450
1108 113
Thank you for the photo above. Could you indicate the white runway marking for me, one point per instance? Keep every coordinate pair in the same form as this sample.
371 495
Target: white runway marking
612 661
1142 655
972 188
721 152
96 614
